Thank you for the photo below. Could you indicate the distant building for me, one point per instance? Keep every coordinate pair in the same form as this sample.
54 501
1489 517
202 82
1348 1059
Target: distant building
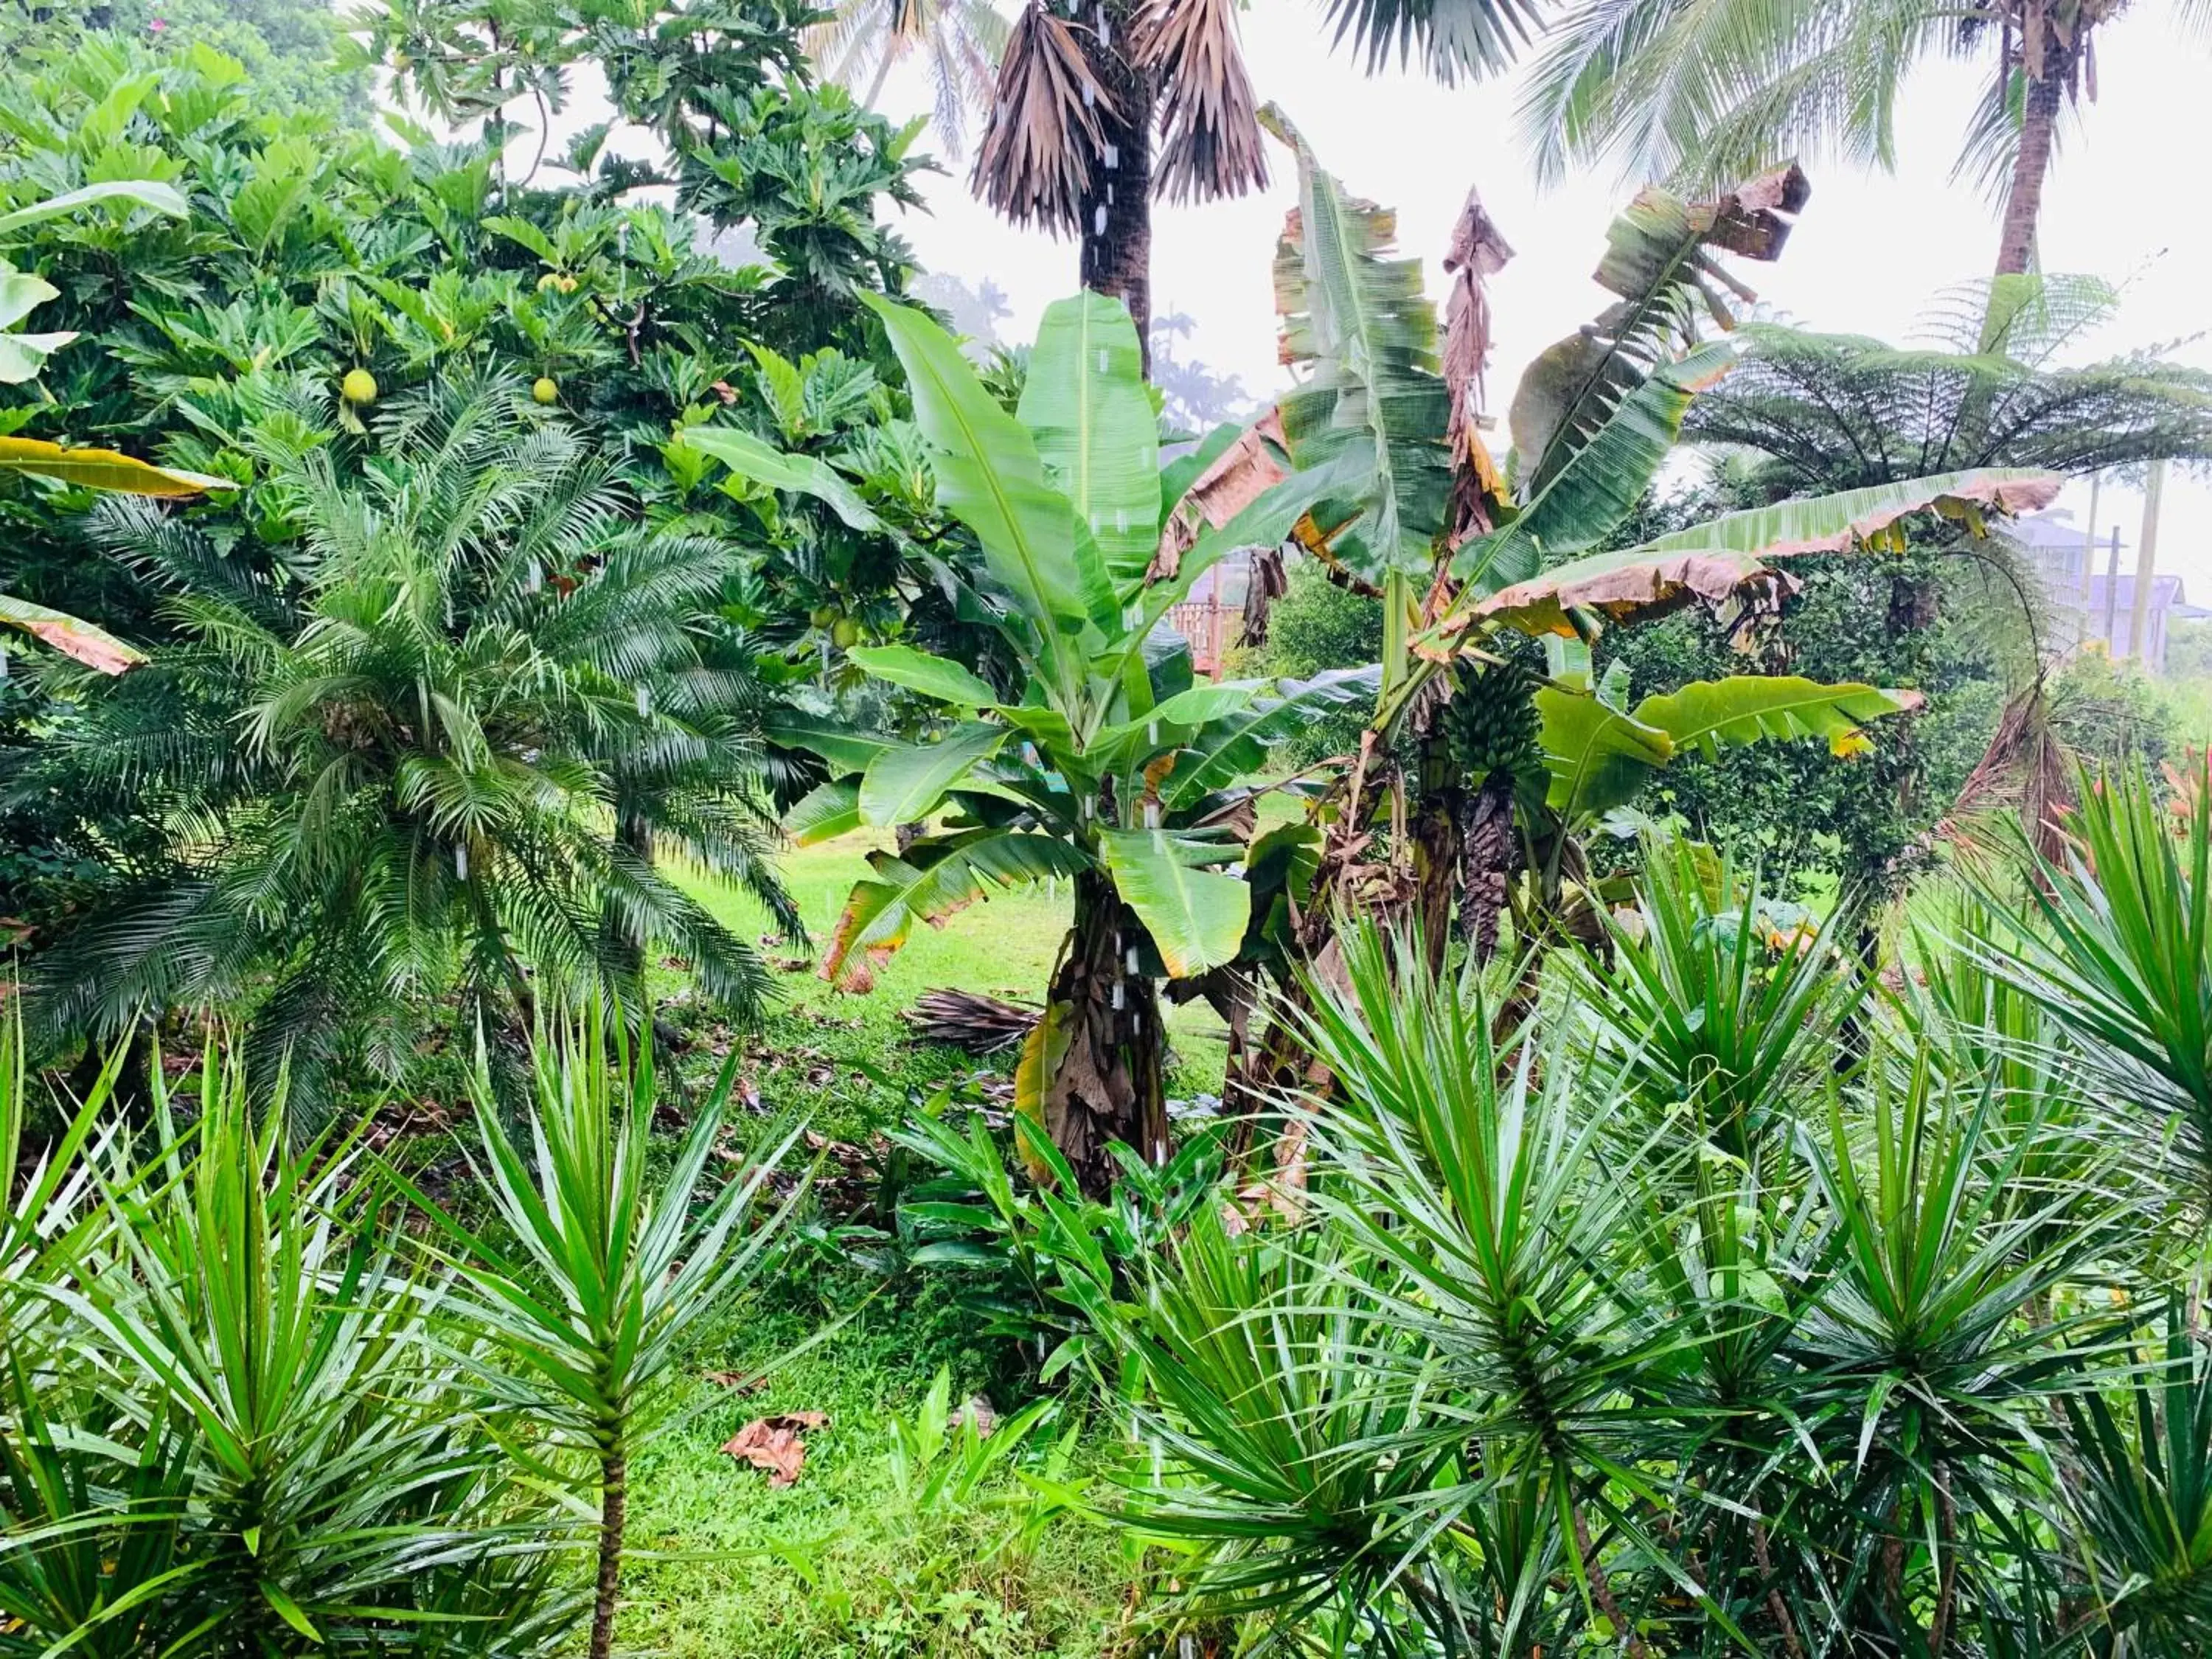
2105 614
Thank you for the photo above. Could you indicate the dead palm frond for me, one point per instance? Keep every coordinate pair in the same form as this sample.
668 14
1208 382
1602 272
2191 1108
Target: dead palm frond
1210 144
1047 127
969 1021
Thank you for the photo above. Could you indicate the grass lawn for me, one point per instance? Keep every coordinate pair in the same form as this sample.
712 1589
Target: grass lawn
838 1566
811 1056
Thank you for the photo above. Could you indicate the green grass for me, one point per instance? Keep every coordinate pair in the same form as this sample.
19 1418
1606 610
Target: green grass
835 1567
813 1053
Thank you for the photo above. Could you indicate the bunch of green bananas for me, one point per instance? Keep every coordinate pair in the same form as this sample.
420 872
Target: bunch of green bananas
1492 724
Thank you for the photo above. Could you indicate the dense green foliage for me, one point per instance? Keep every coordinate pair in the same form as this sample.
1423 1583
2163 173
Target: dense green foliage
441 750
1655 1326
323 278
1692 1266
294 51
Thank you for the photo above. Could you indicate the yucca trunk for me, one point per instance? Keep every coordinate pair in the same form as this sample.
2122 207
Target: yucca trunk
614 1512
1115 234
1108 1082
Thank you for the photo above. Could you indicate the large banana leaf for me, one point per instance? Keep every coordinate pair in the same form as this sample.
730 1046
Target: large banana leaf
1714 560
990 476
1358 319
1744 709
1084 402
1598 487
846 749
917 670
1598 757
102 468
1657 261
761 463
1236 746
23 355
1173 722
1196 916
1263 523
134 193
936 878
825 812
94 647
905 783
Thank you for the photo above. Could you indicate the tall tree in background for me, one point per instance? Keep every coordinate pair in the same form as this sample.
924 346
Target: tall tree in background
1985 387
1082 98
1703 94
958 42
1070 146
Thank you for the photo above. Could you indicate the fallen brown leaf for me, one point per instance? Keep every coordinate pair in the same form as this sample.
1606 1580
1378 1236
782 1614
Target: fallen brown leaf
739 1381
773 1444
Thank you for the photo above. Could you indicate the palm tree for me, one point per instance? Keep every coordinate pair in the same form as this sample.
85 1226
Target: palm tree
959 40
1069 147
445 748
1704 92
1082 98
1827 412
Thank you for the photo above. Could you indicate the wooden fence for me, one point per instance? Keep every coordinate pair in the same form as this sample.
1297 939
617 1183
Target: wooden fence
1210 628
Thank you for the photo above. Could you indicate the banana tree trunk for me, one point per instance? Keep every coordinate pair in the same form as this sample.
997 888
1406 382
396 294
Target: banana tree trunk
1105 1041
1116 232
1437 810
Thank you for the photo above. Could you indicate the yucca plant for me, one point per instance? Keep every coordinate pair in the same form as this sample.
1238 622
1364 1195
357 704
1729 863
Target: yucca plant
290 1454
1713 1006
604 1265
1548 1365
2141 1454
2115 944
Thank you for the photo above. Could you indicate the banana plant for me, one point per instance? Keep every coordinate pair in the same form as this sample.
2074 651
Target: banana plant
1109 766
1472 559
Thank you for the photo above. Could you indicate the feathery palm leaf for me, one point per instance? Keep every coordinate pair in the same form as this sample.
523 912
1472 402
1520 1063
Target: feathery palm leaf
457 748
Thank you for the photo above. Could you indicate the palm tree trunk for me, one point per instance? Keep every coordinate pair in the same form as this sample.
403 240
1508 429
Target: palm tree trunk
1109 1083
1116 233
883 74
2031 166
614 1506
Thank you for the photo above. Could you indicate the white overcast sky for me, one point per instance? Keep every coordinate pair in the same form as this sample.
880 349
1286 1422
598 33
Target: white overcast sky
2127 201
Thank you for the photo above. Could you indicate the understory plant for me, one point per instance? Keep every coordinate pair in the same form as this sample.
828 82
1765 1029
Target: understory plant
239 1417
438 763
608 1263
1660 1321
